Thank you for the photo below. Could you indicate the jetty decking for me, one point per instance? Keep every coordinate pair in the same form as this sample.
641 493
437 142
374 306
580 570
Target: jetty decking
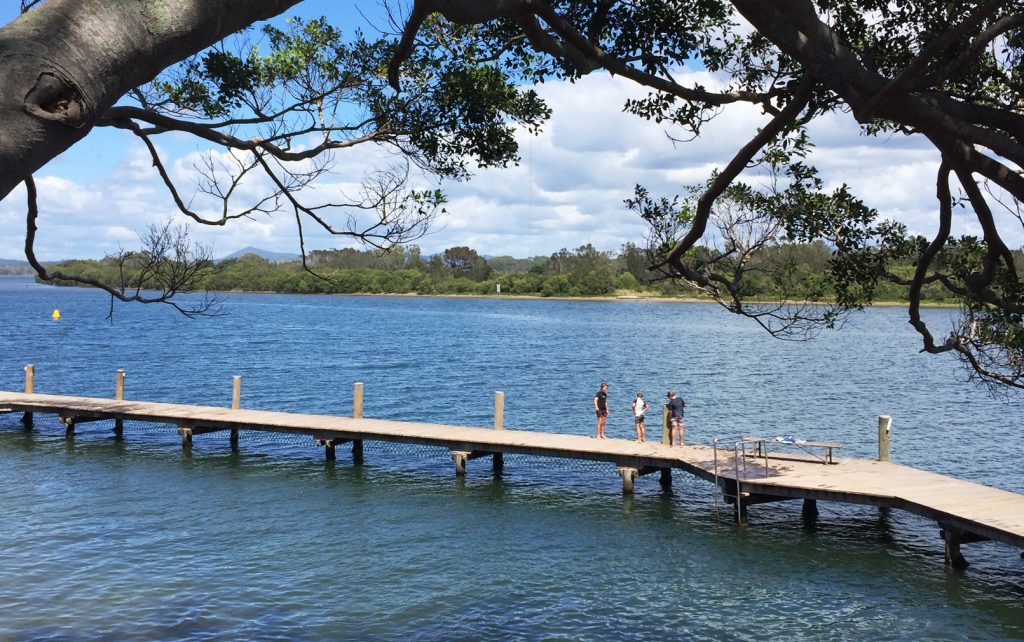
965 511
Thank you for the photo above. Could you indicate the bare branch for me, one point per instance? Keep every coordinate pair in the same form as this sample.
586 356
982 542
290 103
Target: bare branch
166 123
169 264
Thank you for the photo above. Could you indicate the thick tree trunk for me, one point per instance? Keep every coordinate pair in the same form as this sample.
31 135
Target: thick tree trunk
63 64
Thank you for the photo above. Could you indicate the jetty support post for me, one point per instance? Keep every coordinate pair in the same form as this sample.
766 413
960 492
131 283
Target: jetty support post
629 476
236 403
666 428
462 457
69 426
119 395
809 512
357 413
884 432
953 538
30 387
630 473
328 446
499 410
186 432
357 400
498 459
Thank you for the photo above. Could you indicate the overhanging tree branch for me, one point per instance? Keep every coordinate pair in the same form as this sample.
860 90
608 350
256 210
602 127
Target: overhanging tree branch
167 266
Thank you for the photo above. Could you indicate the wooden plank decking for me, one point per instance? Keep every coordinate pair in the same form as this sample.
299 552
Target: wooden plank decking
967 511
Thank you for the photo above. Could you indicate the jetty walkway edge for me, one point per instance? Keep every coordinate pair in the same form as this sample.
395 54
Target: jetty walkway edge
965 511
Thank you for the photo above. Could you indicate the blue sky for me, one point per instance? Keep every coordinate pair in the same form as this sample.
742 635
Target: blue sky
568 190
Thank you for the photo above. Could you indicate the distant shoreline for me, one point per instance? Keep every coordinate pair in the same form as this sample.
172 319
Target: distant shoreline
525 297
537 297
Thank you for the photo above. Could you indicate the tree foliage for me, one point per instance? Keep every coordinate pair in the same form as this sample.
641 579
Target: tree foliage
581 272
276 108
947 72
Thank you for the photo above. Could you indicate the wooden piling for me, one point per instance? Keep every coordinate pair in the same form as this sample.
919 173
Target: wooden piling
884 430
810 510
460 457
499 410
30 385
186 435
629 476
666 427
236 403
954 558
330 446
119 396
666 478
357 400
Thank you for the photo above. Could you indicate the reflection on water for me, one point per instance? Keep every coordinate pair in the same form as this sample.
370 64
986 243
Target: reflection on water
137 540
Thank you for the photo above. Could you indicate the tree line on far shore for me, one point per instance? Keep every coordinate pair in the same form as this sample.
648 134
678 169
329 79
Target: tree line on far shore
584 271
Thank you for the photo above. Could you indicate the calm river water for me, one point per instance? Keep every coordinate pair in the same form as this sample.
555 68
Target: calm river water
108 540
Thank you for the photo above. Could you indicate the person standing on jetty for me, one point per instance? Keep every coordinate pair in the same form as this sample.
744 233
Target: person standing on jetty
639 408
601 407
676 406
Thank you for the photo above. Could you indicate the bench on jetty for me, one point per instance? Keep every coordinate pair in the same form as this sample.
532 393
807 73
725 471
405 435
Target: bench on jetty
811 448
965 511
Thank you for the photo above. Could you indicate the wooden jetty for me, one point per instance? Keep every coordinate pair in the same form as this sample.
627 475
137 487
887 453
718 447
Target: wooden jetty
965 511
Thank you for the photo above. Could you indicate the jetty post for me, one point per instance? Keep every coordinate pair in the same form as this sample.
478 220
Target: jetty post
666 438
119 396
499 410
236 404
498 459
357 413
666 428
186 431
30 386
330 444
463 457
884 431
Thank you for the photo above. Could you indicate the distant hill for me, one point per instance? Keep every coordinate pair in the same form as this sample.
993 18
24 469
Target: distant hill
273 257
14 267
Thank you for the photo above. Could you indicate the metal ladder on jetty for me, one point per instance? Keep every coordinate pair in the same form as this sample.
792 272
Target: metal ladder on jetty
736 449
